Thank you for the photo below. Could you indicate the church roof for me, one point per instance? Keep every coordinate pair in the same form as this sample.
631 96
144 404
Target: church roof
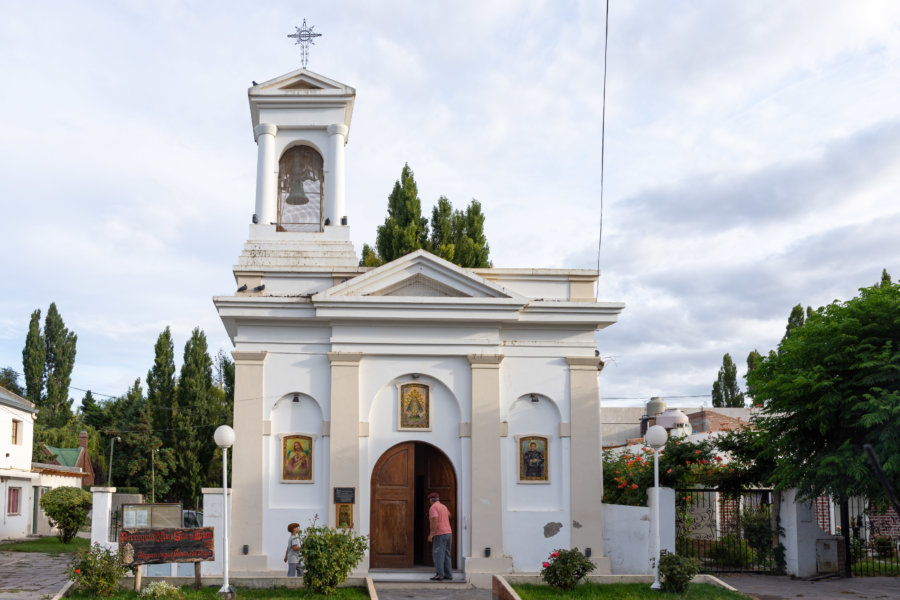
67 457
298 88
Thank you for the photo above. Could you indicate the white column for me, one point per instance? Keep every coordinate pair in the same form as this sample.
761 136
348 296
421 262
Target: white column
266 173
100 509
335 208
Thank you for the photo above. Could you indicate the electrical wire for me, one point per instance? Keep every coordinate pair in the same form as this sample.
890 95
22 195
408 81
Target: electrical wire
602 143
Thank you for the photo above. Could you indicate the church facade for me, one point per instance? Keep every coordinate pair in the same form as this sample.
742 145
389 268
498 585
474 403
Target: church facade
359 391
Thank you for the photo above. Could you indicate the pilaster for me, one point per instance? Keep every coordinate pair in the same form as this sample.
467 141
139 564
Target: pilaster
266 174
586 458
487 496
344 460
247 461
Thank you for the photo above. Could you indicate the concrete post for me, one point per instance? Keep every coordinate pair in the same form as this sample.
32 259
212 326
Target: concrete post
800 534
100 516
212 517
266 174
335 208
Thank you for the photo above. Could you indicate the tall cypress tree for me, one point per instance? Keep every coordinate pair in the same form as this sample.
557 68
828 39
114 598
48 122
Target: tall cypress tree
405 229
60 360
34 355
192 421
472 249
10 380
725 391
161 386
442 242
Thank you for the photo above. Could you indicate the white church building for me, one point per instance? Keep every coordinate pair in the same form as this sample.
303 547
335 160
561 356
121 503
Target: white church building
358 391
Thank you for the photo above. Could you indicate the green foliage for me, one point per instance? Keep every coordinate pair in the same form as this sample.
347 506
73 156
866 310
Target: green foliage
565 568
47 545
161 386
97 570
731 551
676 572
160 590
620 591
832 386
725 391
758 531
405 229
33 357
67 509
456 235
754 359
329 555
884 546
9 379
56 406
749 465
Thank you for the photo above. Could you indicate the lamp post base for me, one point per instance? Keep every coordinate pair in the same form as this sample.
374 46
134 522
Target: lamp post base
227 592
656 585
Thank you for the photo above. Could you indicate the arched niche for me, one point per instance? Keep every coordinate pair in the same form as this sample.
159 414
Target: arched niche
301 189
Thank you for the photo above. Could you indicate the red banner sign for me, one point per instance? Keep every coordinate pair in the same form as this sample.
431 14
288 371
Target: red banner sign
153 546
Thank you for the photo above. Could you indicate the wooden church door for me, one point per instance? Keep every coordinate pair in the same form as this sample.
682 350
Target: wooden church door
401 479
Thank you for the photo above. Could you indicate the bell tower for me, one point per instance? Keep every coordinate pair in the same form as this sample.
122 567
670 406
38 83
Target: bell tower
301 122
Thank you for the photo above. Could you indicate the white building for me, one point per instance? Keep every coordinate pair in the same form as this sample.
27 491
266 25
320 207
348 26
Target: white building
359 391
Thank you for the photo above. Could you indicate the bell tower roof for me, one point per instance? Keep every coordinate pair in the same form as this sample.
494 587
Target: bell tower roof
302 89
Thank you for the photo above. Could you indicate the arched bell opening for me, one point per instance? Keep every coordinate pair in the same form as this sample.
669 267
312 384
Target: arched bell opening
301 189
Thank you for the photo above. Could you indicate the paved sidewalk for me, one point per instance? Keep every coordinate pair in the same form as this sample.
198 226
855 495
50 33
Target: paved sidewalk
433 594
773 587
32 575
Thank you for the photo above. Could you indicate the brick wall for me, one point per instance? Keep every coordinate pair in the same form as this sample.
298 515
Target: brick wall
822 507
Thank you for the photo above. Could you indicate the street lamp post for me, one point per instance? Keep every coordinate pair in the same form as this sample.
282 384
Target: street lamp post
224 437
656 436
111 442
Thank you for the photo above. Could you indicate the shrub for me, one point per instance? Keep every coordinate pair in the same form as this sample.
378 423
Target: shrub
884 546
676 571
160 590
732 552
329 555
97 570
857 549
757 526
565 568
67 509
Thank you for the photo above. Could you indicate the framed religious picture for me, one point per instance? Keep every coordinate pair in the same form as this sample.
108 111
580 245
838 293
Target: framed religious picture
296 458
414 406
344 512
534 458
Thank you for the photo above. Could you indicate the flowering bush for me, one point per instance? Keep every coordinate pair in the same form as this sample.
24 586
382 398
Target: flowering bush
160 590
97 570
565 568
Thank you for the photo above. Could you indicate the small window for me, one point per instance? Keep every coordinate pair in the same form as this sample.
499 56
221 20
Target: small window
12 501
16 432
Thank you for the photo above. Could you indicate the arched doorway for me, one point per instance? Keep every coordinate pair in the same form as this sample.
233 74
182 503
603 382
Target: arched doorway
398 526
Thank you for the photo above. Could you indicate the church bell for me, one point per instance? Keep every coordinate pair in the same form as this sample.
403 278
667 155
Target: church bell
296 197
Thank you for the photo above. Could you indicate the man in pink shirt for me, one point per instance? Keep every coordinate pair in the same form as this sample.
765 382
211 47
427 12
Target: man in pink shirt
441 536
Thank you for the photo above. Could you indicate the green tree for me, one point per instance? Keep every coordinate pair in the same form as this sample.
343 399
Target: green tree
93 413
725 390
405 229
443 238
9 379
34 355
60 360
67 509
161 386
753 361
194 420
832 386
471 247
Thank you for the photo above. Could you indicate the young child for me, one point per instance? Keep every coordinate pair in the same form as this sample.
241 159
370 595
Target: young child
292 554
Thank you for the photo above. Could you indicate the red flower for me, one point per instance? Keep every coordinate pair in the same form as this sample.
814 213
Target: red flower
554 555
634 486
78 570
546 564
669 471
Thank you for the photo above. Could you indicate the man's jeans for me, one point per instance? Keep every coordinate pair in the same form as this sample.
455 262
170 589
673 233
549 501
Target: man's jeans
440 551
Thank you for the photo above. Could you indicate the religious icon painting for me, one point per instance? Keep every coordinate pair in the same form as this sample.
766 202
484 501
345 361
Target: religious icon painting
414 407
344 514
534 458
296 458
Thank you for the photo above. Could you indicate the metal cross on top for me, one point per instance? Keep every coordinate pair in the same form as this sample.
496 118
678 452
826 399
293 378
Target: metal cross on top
304 37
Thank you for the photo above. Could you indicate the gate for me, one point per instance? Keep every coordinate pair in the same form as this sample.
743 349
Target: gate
727 533
873 535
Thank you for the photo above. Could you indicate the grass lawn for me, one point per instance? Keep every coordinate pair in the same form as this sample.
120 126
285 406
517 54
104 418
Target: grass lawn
50 545
189 593
876 568
626 591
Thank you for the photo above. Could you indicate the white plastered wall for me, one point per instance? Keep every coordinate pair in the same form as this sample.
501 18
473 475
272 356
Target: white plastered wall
536 518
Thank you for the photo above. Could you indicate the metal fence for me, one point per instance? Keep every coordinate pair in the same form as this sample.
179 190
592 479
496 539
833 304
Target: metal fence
727 533
872 535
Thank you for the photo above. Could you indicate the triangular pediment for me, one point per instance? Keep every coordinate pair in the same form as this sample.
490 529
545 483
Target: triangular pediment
301 79
418 275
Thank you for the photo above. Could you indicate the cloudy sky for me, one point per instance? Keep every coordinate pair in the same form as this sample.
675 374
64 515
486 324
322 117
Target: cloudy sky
752 159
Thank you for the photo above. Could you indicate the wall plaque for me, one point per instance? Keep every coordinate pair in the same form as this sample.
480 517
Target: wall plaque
344 495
